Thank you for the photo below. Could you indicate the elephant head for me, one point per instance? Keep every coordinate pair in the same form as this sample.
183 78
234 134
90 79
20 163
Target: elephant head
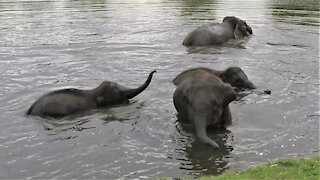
236 77
111 93
239 26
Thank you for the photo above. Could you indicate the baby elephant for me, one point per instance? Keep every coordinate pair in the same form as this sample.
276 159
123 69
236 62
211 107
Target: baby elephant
232 75
218 33
64 102
202 99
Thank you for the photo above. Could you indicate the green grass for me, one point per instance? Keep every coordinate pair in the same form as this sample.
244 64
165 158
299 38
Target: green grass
291 169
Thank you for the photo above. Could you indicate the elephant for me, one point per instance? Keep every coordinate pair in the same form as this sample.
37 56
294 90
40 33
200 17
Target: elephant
218 33
60 103
232 75
203 100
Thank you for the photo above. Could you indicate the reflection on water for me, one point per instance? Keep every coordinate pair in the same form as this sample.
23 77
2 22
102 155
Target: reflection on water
296 12
56 44
201 159
199 10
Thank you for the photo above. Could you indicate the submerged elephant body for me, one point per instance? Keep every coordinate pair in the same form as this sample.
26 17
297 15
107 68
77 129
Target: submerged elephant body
218 33
202 100
64 102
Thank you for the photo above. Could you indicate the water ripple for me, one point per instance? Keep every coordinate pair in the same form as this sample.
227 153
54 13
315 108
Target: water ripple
50 45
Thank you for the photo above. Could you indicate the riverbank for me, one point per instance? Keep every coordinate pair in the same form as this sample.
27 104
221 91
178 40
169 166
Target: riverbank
308 168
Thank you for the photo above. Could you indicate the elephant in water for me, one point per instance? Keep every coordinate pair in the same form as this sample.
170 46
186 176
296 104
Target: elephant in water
218 33
232 75
202 99
65 102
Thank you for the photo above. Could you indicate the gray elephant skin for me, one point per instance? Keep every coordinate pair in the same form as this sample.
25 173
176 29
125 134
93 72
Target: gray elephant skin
60 103
232 75
203 100
218 33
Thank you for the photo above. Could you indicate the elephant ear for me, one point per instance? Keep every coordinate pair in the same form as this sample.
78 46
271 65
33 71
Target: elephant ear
240 30
237 33
230 94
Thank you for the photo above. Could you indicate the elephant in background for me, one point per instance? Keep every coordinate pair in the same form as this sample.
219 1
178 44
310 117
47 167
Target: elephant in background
232 75
60 103
202 99
218 33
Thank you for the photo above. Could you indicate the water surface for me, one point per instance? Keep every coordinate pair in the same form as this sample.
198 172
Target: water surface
55 44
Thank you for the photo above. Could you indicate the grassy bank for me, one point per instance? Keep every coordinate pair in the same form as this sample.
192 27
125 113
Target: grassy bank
282 169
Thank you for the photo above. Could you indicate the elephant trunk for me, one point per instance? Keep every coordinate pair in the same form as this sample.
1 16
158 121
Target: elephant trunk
249 29
133 92
201 126
252 86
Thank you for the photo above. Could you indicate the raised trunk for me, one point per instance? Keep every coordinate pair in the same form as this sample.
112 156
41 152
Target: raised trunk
133 92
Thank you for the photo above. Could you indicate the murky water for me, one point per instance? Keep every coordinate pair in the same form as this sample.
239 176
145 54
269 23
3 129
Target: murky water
49 45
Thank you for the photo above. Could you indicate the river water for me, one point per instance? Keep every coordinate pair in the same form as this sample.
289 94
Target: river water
54 44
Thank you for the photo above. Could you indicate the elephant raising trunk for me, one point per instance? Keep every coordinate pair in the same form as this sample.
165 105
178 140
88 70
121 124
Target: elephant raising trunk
130 93
64 102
